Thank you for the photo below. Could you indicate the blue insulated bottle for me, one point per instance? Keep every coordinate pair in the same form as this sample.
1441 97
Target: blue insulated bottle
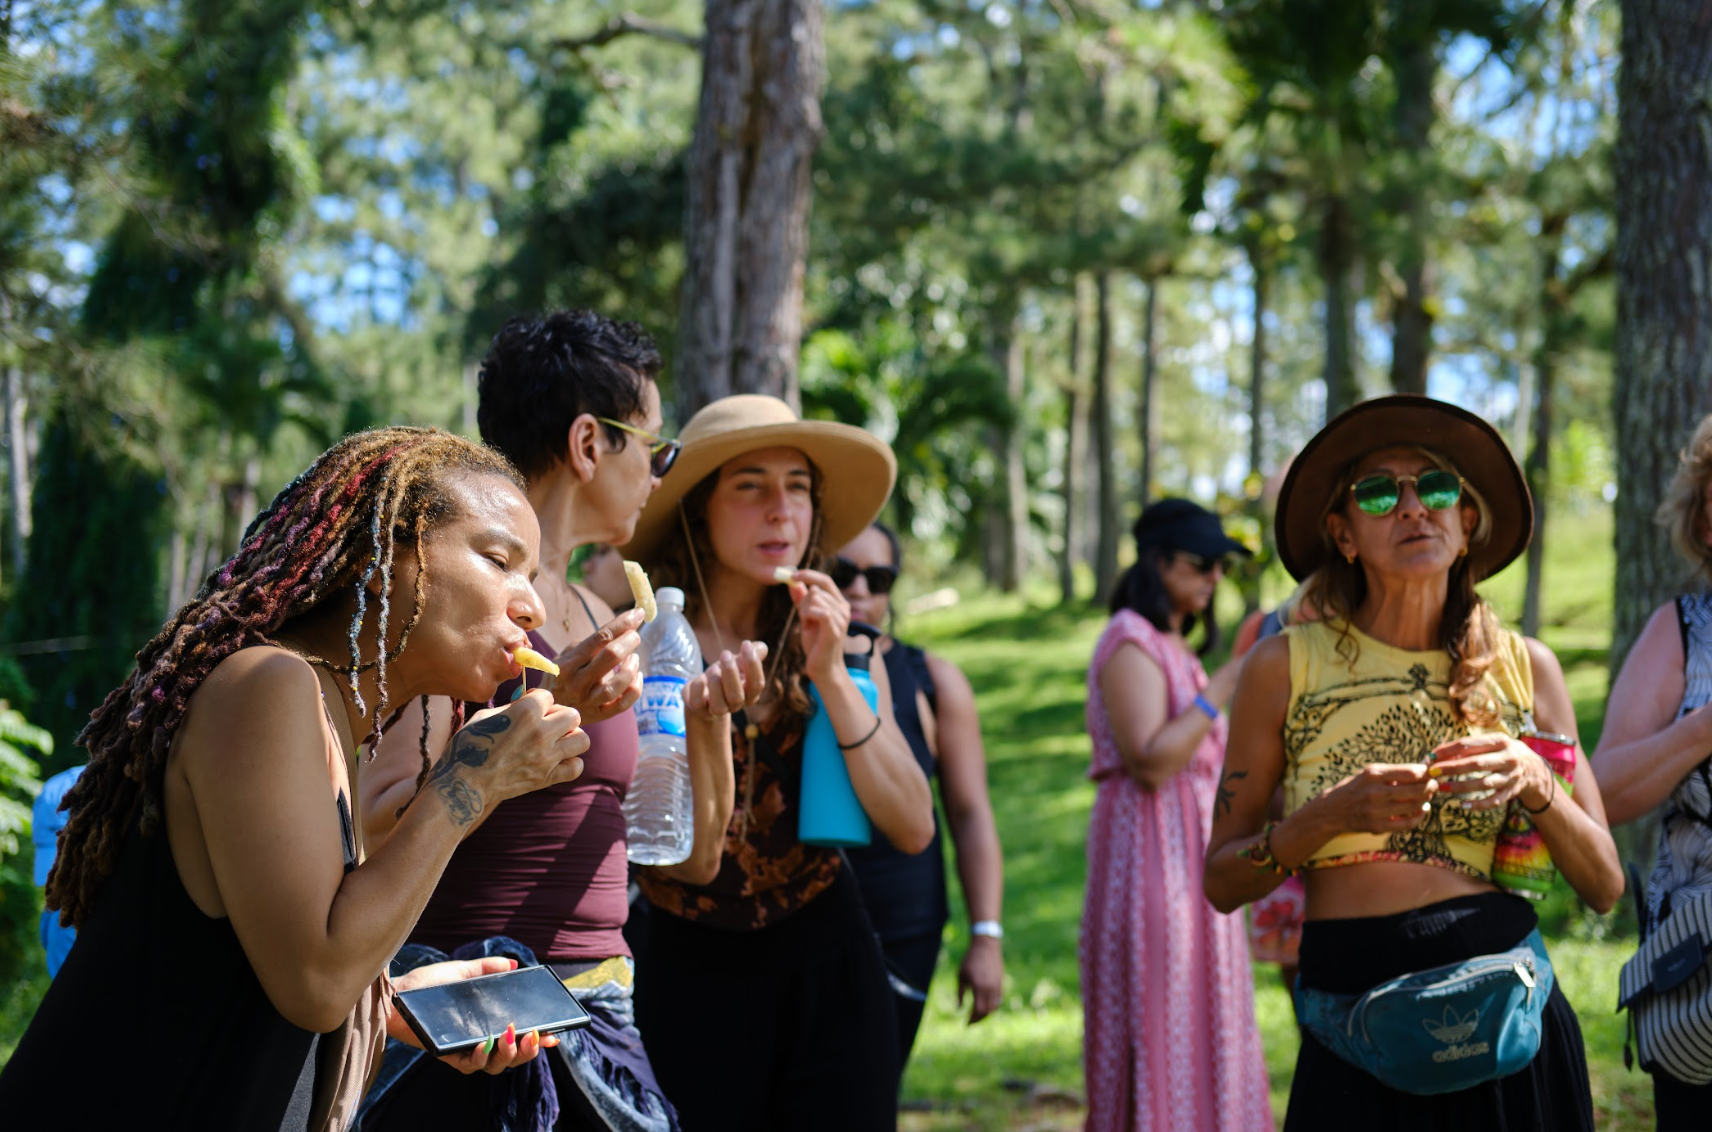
829 812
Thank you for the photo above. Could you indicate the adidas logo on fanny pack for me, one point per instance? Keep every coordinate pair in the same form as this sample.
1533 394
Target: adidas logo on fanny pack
1451 1031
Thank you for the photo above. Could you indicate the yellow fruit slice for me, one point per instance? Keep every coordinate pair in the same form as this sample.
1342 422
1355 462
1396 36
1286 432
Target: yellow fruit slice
641 590
529 658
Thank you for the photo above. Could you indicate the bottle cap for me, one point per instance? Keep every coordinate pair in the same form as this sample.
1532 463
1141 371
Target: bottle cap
669 595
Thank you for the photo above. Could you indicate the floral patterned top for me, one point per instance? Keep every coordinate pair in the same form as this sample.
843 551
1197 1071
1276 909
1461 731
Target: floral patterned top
765 873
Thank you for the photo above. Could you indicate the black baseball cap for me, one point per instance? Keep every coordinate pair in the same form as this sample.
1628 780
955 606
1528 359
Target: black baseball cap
1179 524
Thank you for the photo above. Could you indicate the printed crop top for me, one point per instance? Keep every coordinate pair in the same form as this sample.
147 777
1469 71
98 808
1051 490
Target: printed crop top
1390 705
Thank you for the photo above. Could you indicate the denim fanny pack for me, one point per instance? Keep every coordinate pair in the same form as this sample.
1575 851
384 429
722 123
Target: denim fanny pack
1440 1030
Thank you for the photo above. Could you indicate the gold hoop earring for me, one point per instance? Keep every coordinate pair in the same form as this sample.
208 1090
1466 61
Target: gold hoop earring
1462 553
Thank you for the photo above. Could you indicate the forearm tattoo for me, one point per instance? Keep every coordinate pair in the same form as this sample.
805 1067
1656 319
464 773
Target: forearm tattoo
1227 791
470 748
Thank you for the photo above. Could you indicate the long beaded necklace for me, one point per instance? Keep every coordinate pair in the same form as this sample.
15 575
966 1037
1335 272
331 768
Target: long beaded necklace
751 731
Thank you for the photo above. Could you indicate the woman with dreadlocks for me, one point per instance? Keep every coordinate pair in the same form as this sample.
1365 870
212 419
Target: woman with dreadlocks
763 991
227 917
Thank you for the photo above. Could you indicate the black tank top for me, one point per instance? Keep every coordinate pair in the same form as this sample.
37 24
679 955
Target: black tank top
158 1017
905 893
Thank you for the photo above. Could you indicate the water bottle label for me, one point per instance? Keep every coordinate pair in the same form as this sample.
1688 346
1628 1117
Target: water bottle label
661 711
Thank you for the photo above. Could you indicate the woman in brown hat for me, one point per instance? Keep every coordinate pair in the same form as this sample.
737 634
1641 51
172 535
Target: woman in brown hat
1393 727
763 992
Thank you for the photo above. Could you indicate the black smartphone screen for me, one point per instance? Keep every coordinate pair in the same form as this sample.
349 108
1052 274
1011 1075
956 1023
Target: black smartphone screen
454 1017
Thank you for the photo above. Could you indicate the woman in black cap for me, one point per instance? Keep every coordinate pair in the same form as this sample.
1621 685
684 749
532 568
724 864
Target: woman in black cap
1170 1040
1395 725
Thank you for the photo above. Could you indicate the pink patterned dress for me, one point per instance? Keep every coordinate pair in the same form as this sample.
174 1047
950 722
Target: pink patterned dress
1170 1043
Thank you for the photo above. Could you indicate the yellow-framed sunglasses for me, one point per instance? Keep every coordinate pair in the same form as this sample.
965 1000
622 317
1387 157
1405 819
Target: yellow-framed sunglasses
662 453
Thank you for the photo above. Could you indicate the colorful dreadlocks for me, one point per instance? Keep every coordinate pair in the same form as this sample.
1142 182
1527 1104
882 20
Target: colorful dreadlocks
332 530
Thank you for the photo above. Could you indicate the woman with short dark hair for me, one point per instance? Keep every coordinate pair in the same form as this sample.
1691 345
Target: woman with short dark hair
1170 1040
570 397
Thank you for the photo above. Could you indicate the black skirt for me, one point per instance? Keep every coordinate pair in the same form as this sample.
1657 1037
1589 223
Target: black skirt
1351 956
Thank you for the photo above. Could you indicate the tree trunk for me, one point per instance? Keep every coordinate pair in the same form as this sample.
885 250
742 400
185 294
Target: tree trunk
1414 65
1336 256
178 570
1538 466
1663 380
18 478
1149 388
746 216
1010 519
1105 445
1262 296
1075 452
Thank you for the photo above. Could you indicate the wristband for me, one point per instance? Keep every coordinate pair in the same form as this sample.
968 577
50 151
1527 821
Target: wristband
989 928
1206 705
1550 798
873 731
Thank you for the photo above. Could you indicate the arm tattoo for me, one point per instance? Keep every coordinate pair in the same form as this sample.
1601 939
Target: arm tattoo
1222 800
470 748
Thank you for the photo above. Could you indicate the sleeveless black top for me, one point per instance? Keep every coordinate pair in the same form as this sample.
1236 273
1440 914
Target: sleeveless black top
193 1041
905 893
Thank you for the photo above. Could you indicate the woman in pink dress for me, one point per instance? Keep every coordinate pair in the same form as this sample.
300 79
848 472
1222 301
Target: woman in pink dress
1170 1042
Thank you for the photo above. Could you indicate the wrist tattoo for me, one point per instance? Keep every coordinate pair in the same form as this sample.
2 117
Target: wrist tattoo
470 748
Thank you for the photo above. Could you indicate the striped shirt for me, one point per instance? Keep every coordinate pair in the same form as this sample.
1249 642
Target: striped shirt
1684 865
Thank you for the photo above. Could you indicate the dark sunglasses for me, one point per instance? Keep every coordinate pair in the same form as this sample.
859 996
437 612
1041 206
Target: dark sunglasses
880 578
662 453
1379 493
1204 566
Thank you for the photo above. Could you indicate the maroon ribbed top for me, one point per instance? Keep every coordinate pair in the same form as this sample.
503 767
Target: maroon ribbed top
547 868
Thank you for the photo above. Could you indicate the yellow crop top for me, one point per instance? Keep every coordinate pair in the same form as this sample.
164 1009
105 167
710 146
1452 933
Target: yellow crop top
1393 706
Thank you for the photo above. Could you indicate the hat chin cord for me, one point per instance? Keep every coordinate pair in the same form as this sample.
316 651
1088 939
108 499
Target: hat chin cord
778 653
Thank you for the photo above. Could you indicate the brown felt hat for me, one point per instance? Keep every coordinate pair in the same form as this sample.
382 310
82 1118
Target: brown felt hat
857 467
1405 420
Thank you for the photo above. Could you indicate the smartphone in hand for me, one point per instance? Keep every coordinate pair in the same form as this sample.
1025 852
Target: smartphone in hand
455 1017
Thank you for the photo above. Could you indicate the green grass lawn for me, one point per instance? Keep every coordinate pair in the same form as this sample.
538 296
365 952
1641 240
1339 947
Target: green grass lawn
1027 659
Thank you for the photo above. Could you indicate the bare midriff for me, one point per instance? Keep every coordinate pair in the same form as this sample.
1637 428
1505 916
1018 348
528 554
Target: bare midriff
1383 888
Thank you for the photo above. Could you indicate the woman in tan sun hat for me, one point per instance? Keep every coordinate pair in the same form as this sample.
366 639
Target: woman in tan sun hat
765 994
1393 724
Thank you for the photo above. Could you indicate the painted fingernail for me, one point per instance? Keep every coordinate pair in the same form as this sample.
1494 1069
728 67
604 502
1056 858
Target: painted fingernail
487 1046
1433 772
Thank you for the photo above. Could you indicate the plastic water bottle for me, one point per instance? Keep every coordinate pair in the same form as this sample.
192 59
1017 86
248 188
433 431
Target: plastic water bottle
659 813
829 813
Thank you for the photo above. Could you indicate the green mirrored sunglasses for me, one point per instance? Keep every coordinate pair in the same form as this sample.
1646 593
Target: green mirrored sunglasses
1377 494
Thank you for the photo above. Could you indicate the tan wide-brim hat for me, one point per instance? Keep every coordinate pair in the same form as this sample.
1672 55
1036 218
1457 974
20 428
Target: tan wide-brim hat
1405 420
857 467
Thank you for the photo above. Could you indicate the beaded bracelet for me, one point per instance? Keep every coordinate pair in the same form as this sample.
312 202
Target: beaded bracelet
1260 854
